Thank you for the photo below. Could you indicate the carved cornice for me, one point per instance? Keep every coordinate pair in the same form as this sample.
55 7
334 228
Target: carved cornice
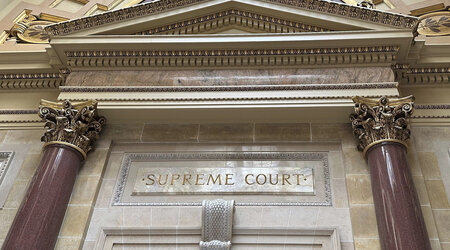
226 99
18 111
233 17
404 73
32 80
432 106
432 111
378 120
238 57
328 7
72 124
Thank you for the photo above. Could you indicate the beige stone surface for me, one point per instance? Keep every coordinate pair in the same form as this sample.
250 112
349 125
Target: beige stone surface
102 217
413 161
367 244
16 194
354 162
330 132
30 137
2 135
445 245
68 243
340 197
336 218
75 221
275 216
23 136
113 166
364 223
84 190
421 190
137 217
29 166
442 219
190 217
435 245
170 133
437 194
429 164
429 222
165 216
6 217
347 246
118 132
282 132
249 216
226 132
95 162
335 161
105 194
359 189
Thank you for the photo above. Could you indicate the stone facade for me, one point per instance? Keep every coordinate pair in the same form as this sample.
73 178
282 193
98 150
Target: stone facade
199 85
90 204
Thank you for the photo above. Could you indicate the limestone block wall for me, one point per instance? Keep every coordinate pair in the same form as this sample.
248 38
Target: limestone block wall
428 157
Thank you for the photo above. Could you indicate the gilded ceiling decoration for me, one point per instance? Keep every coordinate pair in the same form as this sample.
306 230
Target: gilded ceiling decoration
435 24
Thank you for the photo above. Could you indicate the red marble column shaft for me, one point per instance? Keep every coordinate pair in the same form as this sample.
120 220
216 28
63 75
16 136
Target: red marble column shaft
39 218
399 217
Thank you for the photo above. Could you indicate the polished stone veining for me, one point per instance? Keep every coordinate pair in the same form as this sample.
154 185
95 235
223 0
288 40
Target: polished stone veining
285 76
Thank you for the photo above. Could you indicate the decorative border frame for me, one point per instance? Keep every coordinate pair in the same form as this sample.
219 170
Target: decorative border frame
177 156
5 157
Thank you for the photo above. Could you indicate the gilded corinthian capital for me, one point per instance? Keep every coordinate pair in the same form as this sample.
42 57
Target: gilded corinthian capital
76 125
378 120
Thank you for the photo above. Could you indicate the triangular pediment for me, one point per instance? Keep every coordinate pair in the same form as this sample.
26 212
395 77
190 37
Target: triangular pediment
170 17
233 21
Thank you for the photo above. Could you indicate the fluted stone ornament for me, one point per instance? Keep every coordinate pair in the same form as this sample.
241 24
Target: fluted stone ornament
76 125
378 120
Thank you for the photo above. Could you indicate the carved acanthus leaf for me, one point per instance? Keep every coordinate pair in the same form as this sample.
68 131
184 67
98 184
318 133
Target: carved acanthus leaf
381 119
77 124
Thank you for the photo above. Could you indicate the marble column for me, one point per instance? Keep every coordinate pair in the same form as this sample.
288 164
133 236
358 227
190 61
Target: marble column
71 130
381 127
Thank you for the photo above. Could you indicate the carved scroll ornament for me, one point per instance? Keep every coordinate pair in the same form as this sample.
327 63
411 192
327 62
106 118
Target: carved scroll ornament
73 124
381 120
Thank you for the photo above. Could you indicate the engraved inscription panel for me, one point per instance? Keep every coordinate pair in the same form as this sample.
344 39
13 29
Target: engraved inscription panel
176 179
249 178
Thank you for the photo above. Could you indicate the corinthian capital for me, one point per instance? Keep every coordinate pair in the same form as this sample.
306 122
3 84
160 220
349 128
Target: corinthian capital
73 124
378 120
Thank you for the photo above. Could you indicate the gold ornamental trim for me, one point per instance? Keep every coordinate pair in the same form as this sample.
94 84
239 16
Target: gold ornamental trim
69 145
381 141
381 120
375 102
76 125
76 105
